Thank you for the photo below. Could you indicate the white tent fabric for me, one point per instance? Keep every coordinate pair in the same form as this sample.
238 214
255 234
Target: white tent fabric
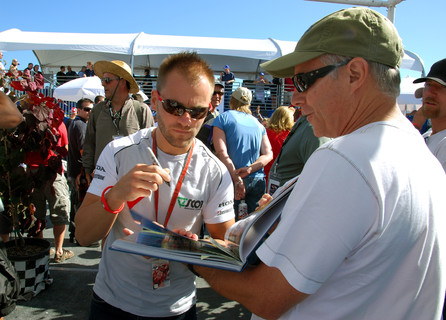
141 50
85 87
406 100
407 91
76 89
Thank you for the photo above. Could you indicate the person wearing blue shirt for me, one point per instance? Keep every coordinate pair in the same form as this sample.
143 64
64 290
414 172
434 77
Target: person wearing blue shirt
242 144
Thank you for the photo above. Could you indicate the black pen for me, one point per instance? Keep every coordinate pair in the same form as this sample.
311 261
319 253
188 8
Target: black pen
156 162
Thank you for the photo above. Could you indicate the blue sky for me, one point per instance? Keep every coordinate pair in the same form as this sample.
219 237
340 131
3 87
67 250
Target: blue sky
417 21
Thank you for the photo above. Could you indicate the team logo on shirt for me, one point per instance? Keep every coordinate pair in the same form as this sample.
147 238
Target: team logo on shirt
220 212
190 204
225 203
99 168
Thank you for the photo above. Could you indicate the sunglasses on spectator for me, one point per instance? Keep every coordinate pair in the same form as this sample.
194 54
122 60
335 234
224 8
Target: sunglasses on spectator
303 81
108 80
218 92
177 109
86 109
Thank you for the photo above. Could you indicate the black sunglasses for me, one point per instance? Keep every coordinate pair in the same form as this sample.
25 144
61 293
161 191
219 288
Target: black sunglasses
303 81
86 109
218 92
108 80
177 109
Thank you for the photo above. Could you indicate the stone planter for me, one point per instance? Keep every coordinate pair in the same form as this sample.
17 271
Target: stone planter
32 267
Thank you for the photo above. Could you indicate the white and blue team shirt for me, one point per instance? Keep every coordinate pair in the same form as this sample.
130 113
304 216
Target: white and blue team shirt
125 280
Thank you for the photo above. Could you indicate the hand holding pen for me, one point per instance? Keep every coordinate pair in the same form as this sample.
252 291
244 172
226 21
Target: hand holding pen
156 162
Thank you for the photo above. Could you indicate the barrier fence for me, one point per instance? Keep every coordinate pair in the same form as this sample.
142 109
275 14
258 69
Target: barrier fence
266 96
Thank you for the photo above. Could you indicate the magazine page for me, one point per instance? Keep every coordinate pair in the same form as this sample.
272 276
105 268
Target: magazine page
154 236
248 232
209 256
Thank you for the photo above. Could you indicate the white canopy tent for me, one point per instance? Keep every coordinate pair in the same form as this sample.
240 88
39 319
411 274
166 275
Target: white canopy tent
141 50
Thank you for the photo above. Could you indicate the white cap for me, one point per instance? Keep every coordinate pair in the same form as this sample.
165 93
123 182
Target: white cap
244 95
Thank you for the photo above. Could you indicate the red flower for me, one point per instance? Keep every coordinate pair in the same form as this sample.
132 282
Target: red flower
17 85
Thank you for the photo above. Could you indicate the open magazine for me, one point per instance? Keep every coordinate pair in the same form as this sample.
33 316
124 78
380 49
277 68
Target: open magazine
241 239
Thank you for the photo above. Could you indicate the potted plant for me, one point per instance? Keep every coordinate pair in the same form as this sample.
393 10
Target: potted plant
29 158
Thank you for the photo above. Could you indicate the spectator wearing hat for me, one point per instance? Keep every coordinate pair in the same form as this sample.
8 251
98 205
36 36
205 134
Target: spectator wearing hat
227 78
361 236
118 116
242 144
434 108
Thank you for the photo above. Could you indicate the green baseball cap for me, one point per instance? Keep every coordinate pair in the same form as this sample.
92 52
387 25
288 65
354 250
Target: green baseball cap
353 32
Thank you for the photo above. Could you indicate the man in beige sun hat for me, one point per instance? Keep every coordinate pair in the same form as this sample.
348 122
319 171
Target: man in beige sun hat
119 115
359 236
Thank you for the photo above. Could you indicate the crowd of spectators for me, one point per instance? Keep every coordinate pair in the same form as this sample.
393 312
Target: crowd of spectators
254 155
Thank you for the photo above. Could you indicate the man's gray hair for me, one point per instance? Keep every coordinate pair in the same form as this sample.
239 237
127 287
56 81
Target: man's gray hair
388 79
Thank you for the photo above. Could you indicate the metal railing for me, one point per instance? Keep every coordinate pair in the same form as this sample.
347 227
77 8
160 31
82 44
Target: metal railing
268 96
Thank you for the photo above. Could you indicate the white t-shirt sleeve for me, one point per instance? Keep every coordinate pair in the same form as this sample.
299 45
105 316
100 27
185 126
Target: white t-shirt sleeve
105 172
220 207
322 222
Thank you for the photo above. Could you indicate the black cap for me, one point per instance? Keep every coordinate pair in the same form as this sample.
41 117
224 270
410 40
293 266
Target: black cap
437 73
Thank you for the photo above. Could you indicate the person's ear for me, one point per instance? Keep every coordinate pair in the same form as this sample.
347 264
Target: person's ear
153 99
358 69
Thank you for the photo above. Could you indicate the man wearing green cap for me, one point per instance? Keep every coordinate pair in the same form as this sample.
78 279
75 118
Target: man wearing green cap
359 237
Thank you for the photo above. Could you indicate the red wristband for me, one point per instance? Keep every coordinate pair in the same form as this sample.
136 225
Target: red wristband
105 205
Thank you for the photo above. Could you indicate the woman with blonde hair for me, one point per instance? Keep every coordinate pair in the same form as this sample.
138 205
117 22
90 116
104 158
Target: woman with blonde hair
277 129
241 143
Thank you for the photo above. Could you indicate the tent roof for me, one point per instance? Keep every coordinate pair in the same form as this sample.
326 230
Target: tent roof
141 50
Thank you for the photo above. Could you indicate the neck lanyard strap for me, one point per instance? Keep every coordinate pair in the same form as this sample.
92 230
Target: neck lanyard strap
179 183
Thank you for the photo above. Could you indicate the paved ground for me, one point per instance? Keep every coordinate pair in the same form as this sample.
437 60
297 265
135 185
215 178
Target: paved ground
69 295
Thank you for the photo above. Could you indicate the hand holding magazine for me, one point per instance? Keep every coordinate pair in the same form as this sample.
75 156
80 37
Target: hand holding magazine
241 239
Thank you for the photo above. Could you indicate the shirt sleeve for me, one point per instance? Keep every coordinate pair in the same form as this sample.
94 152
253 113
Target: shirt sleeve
220 207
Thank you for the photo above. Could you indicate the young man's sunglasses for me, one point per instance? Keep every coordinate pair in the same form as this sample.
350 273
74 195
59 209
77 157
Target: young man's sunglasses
303 81
177 109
